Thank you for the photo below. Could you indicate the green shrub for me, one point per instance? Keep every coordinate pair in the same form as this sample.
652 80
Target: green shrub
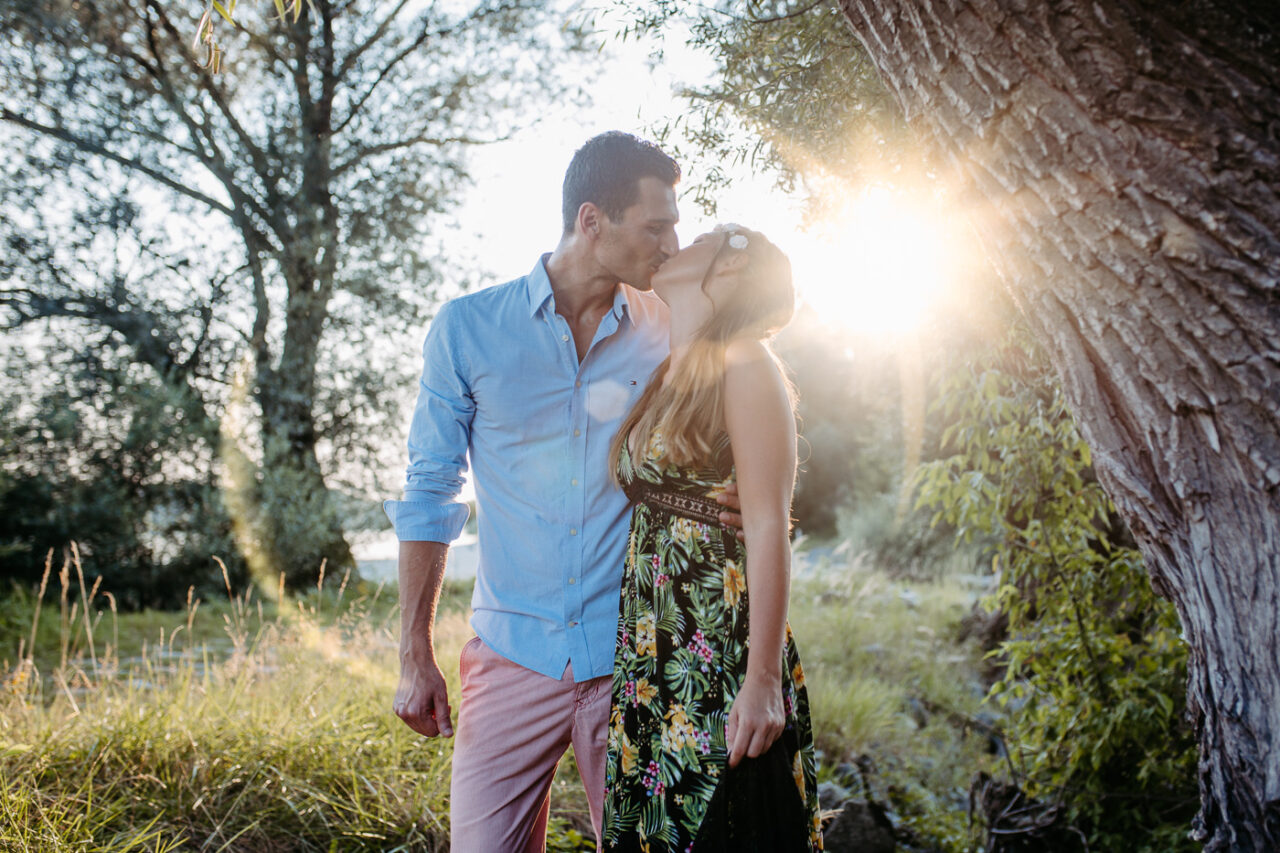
98 473
1095 671
900 540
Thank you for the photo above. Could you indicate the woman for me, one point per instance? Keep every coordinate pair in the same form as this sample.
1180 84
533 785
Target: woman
711 748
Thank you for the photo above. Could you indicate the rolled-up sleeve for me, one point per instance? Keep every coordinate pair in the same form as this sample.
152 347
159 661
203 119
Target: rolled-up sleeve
438 439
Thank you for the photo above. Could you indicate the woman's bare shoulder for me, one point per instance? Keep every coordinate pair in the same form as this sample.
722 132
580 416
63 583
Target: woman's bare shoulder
744 352
752 373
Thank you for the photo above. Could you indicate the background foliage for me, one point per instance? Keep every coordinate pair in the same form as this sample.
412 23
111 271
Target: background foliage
793 94
1094 670
105 456
232 265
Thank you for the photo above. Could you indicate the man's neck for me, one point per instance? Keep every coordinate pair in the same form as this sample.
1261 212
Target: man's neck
583 292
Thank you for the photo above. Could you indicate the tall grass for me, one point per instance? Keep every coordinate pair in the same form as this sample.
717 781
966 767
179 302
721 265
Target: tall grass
893 693
130 734
250 725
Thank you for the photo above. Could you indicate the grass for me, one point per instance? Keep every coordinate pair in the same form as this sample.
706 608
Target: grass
275 735
893 693
241 725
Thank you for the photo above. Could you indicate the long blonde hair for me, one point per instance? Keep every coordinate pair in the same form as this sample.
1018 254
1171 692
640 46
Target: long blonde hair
688 410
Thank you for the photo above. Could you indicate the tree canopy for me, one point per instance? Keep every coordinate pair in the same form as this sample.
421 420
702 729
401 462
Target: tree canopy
255 242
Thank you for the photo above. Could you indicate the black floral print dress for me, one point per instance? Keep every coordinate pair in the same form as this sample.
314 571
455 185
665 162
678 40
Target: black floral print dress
680 659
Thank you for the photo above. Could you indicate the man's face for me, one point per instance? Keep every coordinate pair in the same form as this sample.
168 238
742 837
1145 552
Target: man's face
634 247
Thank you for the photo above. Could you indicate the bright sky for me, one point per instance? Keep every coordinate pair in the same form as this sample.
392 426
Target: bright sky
513 213
874 268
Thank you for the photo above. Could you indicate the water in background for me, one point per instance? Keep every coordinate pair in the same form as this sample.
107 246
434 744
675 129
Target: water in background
376 557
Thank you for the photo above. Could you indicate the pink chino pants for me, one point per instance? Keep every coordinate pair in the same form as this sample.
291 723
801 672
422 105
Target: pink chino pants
513 727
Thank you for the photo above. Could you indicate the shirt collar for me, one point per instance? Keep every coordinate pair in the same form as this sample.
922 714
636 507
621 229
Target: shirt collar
539 285
622 304
540 293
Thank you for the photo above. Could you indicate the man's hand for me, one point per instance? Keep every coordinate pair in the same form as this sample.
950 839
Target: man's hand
732 514
422 698
755 720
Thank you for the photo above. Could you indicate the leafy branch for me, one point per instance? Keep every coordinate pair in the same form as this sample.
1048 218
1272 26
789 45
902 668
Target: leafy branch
207 34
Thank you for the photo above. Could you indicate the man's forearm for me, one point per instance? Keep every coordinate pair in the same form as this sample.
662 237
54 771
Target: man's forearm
422 699
421 569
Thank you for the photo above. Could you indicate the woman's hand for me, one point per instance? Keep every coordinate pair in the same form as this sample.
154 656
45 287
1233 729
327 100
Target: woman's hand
756 718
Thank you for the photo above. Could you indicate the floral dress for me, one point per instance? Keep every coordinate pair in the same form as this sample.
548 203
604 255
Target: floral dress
680 659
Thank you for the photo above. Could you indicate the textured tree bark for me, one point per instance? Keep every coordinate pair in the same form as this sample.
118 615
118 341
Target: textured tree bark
1124 173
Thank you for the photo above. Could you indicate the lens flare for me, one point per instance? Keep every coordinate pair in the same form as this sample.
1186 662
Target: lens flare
876 265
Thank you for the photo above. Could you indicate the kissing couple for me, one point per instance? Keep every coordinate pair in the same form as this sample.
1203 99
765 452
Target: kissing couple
632 441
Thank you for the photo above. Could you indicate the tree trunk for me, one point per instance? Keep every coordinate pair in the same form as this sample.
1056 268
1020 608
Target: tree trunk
304 524
1123 173
301 523
301 520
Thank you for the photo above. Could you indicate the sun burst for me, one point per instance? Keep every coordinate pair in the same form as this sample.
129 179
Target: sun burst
879 263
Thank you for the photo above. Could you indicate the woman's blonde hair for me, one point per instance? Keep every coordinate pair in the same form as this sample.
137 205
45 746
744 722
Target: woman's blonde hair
688 410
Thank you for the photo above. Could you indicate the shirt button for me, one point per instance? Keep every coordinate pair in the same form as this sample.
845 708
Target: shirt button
573 624
564 338
573 531
573 482
572 581
578 384
577 432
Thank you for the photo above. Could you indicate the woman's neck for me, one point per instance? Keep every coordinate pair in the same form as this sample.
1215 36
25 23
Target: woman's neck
680 341
685 322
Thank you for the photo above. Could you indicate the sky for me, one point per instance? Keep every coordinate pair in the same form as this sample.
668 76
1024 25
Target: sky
512 213
872 269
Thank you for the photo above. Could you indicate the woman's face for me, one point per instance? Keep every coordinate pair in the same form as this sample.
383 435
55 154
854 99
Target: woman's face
688 268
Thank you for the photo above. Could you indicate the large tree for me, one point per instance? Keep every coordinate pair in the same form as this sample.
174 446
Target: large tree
275 216
1121 161
1124 162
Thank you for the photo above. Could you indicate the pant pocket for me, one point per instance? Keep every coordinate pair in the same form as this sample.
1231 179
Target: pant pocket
464 662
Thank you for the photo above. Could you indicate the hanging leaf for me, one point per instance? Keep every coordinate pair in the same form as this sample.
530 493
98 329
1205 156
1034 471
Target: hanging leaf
222 10
205 23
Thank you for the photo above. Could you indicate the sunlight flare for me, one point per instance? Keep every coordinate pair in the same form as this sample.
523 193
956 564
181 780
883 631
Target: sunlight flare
877 264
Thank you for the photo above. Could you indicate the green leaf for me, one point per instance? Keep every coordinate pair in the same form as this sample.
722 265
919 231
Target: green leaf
222 10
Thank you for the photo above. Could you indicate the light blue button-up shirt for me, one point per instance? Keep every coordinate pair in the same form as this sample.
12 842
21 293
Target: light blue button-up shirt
501 381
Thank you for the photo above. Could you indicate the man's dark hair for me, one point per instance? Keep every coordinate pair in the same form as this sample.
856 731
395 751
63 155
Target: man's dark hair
606 171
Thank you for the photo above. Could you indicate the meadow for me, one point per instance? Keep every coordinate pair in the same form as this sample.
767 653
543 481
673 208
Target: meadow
244 724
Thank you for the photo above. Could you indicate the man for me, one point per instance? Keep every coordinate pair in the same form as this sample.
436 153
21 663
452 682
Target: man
532 378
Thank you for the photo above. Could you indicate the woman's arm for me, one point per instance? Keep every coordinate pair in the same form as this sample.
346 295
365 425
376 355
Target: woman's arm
762 431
